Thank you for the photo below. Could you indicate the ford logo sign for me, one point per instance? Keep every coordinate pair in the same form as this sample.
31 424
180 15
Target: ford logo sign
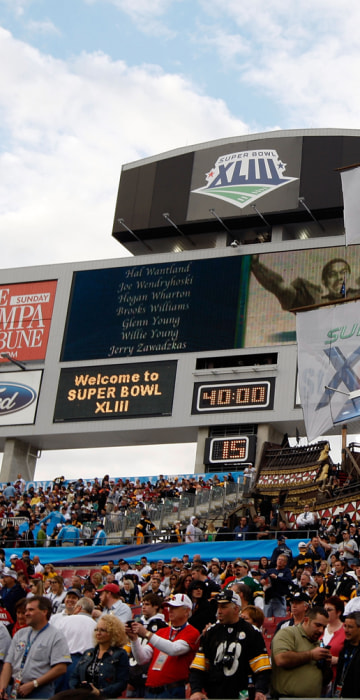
14 397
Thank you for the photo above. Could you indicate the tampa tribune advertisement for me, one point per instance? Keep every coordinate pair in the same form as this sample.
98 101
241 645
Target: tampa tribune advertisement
25 318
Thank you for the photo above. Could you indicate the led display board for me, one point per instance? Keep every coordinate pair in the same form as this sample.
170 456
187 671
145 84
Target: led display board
115 391
25 318
233 396
230 450
283 281
155 309
200 305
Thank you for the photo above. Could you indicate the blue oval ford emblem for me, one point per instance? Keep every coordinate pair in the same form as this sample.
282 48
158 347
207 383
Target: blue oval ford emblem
14 397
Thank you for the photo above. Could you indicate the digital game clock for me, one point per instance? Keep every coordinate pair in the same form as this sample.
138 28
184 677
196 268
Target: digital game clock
234 396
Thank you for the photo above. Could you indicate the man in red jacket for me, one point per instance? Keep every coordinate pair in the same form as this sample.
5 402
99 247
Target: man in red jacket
169 651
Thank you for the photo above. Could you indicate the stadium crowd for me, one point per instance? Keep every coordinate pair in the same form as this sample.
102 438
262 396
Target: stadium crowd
68 514
81 508
167 628
178 628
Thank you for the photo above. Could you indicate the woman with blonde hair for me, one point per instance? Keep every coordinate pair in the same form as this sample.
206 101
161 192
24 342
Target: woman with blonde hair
128 592
210 532
97 579
49 571
105 667
324 567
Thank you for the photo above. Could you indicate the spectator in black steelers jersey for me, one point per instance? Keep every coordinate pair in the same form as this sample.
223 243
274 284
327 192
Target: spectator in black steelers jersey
304 557
230 651
316 598
340 583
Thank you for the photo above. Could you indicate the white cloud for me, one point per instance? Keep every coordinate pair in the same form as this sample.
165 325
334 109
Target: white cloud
230 47
142 8
304 57
43 27
70 127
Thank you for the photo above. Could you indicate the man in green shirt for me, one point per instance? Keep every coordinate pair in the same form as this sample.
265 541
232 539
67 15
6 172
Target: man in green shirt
298 661
41 536
241 575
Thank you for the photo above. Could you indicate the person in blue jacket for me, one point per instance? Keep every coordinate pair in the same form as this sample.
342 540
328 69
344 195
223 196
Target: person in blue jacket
100 536
105 667
69 536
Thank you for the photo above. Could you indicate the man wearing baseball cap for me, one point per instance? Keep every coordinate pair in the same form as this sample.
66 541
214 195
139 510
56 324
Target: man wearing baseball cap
71 599
230 651
299 605
241 575
11 591
304 557
111 603
169 651
281 548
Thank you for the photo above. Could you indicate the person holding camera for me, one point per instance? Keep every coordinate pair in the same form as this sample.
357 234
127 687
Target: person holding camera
232 656
104 669
153 619
301 665
169 651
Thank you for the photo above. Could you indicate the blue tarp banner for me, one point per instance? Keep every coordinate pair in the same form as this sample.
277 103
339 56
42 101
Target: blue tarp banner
93 556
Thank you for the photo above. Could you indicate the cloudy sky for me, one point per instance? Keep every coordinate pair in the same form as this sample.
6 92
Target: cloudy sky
87 85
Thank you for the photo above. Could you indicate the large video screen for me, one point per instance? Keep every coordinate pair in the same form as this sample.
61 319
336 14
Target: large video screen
155 309
282 282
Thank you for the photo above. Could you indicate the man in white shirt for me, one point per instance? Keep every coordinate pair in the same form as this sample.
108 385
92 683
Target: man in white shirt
193 532
145 568
78 630
71 599
38 567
